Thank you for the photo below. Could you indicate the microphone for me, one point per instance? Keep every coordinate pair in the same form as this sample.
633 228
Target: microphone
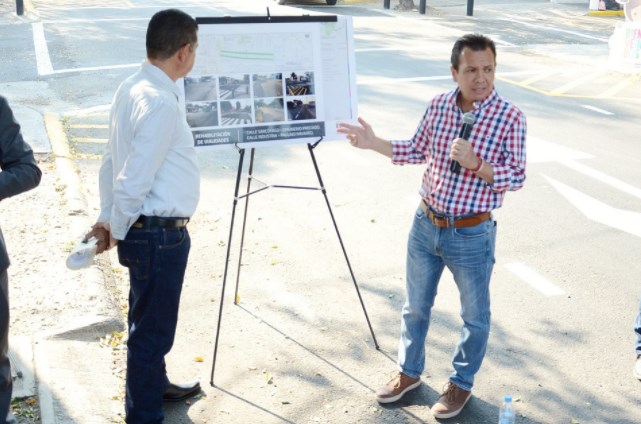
466 130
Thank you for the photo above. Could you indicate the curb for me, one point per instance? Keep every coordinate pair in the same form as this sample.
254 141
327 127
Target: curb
606 13
73 193
50 348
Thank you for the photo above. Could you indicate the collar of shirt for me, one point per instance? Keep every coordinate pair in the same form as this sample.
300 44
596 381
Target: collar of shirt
452 97
161 78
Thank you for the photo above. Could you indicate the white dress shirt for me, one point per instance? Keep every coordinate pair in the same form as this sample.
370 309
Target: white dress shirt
150 165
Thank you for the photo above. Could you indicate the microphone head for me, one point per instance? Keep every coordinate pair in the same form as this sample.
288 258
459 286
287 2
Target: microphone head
469 118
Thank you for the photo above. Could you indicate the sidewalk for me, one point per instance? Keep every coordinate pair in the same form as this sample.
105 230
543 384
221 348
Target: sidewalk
67 326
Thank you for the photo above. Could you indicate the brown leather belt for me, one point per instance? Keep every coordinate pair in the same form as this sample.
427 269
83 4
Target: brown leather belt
445 222
147 222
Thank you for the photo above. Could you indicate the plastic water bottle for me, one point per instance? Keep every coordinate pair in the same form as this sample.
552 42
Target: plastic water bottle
507 414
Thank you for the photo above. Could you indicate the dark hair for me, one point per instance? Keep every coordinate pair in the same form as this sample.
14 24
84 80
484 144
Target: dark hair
168 31
474 42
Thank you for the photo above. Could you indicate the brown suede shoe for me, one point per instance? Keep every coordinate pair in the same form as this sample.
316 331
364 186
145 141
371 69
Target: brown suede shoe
396 388
451 402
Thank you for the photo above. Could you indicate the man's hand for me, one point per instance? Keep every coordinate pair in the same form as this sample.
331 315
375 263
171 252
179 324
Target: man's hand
361 136
463 152
102 232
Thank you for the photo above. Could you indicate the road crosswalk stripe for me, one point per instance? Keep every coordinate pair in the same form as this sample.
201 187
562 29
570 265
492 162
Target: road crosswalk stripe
534 279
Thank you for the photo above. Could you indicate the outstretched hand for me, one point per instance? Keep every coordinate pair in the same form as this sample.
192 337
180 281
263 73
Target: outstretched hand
361 136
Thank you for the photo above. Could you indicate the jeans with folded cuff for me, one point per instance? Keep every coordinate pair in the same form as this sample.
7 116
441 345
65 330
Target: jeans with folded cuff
469 254
157 259
637 332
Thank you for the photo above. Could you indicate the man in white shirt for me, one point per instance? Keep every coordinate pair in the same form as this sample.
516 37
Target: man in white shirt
149 188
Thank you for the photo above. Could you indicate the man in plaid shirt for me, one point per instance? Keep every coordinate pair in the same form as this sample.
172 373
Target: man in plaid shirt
453 226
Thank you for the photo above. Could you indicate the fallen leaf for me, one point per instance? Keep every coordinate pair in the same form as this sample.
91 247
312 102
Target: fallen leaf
199 359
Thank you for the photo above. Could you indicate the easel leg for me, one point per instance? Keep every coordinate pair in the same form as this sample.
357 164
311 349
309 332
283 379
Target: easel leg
242 236
358 292
231 230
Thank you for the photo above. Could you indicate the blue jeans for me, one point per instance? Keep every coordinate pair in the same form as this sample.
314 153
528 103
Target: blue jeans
637 332
156 258
469 254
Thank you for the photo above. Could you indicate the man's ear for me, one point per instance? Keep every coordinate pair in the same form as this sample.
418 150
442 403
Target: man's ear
183 52
454 73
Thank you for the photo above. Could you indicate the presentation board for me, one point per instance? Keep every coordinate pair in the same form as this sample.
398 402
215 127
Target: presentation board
271 80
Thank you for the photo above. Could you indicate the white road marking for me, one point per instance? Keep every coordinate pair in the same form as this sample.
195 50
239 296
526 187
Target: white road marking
384 49
87 111
43 60
604 178
534 279
627 221
392 80
548 28
596 109
539 150
544 151
96 68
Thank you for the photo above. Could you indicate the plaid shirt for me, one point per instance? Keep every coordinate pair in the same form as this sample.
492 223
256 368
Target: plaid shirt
498 137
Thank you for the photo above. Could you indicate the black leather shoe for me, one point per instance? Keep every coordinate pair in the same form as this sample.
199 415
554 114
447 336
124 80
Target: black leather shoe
179 392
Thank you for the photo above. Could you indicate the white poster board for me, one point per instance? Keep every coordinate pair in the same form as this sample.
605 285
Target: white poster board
271 80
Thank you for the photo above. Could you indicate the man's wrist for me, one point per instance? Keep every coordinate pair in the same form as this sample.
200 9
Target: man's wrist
479 165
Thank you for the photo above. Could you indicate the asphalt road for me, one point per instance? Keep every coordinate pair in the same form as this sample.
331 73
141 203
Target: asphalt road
565 289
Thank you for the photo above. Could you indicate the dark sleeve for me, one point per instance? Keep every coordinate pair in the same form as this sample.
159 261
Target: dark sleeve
19 169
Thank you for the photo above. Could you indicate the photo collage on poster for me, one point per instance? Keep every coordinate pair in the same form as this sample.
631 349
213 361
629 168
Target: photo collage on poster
247 99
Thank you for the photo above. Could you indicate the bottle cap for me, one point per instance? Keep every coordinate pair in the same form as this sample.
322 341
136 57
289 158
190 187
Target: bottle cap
508 398
82 255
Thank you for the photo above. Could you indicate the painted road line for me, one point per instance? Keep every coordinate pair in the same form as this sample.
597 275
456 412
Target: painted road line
534 279
618 87
43 60
575 83
390 80
595 210
547 28
540 77
519 84
542 151
93 21
596 109
88 111
96 68
393 49
603 177
559 94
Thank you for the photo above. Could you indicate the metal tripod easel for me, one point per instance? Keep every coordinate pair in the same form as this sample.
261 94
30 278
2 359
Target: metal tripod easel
237 197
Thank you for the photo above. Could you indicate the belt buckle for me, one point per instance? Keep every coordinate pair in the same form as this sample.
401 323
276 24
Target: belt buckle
440 221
